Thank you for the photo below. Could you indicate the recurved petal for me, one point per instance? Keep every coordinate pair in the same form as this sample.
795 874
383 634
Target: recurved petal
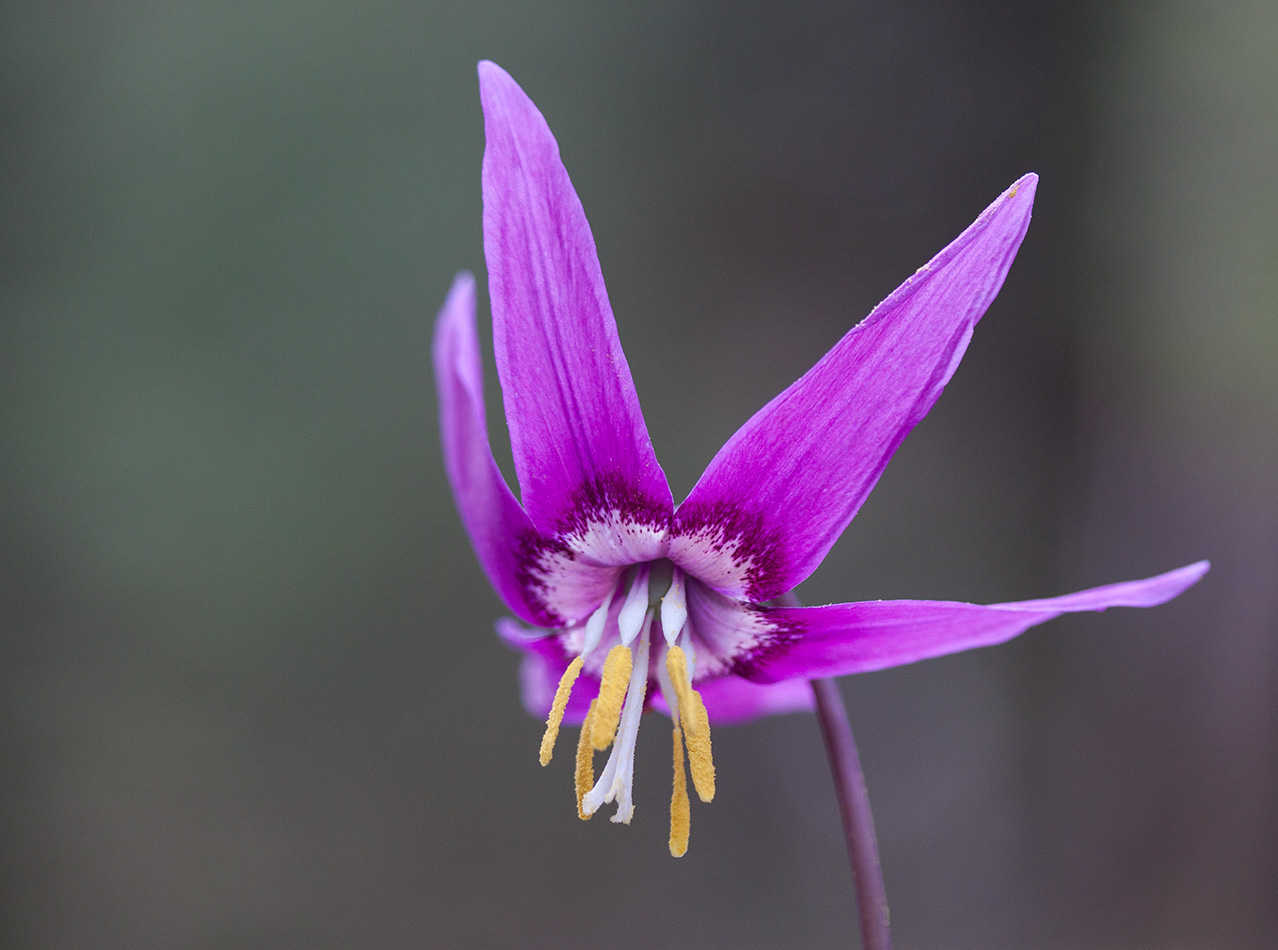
784 487
730 699
576 428
855 638
491 515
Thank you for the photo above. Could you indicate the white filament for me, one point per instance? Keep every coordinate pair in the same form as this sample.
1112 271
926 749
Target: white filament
618 775
635 608
674 609
595 625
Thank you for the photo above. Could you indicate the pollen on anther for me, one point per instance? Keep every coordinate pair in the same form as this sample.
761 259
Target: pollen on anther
677 667
585 777
700 761
612 693
556 717
680 809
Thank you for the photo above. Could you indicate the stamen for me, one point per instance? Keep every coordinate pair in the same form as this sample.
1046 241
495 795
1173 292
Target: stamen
635 608
696 725
680 809
676 666
612 690
700 760
585 762
618 774
674 609
557 708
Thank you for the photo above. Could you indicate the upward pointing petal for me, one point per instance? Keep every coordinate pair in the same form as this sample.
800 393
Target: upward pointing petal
784 487
492 517
575 423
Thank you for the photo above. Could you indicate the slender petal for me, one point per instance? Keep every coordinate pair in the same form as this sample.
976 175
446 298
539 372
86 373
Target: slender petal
580 444
839 639
491 515
784 487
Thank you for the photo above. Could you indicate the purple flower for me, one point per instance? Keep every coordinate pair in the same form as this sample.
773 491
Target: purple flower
644 603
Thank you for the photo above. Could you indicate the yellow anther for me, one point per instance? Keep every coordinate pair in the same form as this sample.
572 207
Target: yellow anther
612 692
680 810
699 759
585 761
556 717
677 667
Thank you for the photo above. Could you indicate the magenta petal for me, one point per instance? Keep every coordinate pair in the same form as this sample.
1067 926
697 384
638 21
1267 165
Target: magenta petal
787 483
730 699
856 638
491 515
576 428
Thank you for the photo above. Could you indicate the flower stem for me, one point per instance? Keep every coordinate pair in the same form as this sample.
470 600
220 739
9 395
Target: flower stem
854 808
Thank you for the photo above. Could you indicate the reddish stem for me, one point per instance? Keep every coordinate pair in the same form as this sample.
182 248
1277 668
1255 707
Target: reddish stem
854 808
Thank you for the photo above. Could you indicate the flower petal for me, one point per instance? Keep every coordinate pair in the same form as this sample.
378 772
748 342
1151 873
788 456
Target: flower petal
784 487
856 638
730 699
492 517
576 428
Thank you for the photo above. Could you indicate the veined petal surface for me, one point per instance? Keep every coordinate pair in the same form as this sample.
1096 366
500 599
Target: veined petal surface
784 487
491 515
576 429
856 638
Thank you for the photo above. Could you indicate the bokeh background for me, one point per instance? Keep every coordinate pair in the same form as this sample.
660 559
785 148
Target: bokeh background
249 691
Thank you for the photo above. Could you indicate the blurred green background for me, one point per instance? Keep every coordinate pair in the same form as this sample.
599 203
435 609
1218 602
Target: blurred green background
250 693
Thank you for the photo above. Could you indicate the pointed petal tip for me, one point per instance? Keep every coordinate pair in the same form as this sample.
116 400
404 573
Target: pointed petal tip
1193 573
463 282
1183 578
490 72
460 300
1017 201
495 81
1168 585
458 309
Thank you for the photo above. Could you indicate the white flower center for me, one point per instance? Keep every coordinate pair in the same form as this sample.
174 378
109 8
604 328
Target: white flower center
655 586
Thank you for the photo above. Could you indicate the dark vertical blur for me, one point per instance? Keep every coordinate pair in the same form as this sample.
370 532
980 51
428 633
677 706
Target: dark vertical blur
249 688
